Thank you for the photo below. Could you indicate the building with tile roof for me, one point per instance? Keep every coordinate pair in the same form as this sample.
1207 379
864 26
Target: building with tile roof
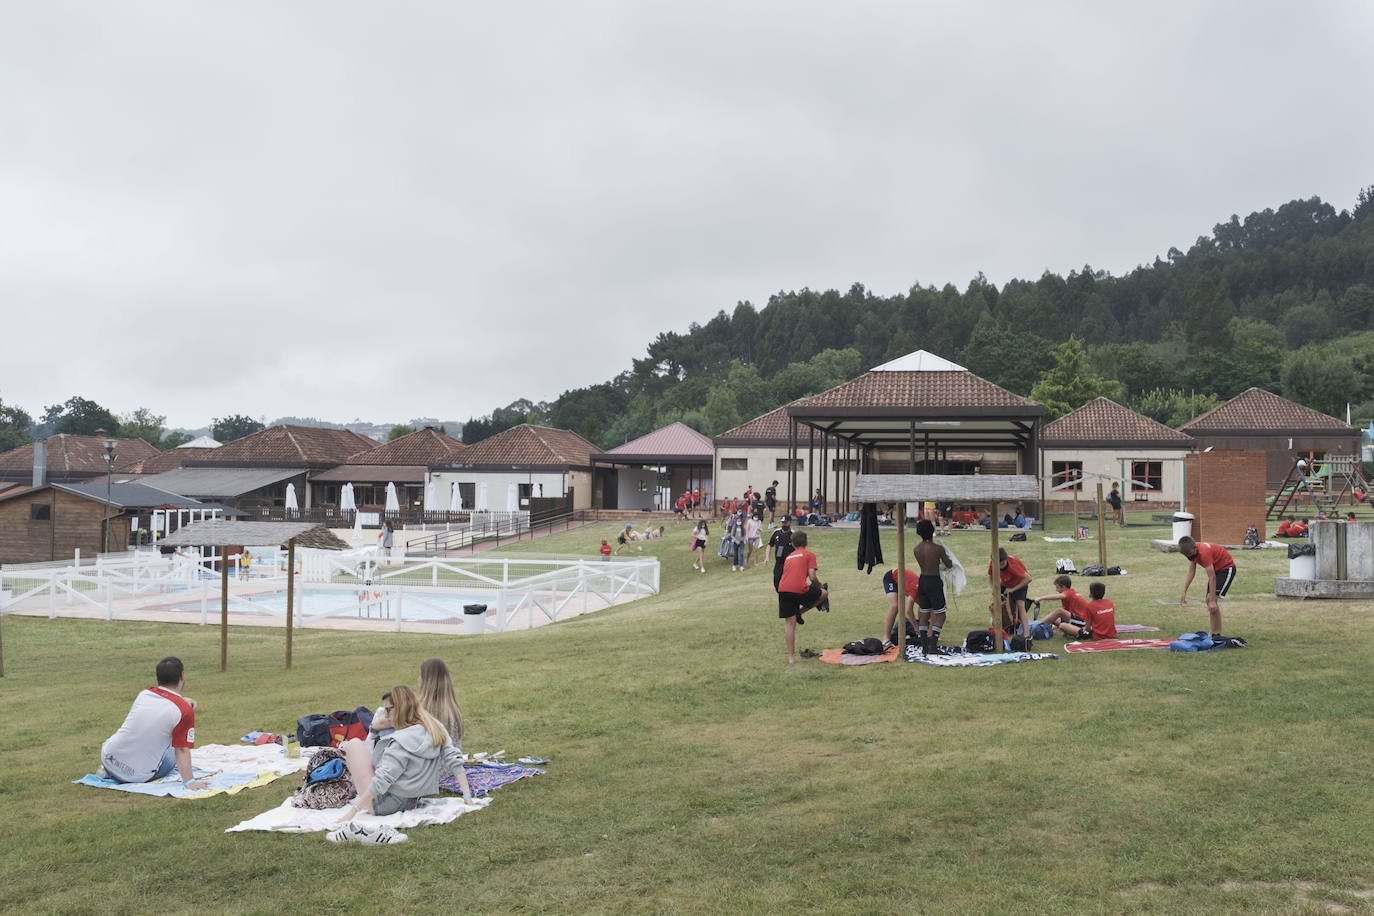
70 459
285 447
403 461
1102 441
1260 421
651 471
537 461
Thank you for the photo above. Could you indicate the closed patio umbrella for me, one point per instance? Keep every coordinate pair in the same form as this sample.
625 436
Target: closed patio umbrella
392 503
455 499
346 503
482 504
512 499
431 501
292 508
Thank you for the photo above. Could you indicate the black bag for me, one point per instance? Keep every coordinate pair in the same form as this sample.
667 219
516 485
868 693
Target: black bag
1019 536
979 641
1093 570
313 730
1019 644
869 646
1251 537
1113 570
911 633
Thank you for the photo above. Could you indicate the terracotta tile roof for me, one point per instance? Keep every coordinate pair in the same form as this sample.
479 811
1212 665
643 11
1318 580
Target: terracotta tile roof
772 425
675 439
289 446
169 460
1105 420
530 445
1257 409
423 447
917 389
77 455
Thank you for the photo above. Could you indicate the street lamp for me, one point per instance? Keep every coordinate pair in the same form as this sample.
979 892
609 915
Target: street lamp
109 444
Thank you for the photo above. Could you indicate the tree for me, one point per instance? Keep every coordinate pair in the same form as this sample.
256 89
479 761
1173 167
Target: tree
1321 380
399 430
1172 406
14 427
79 417
235 427
142 424
1069 384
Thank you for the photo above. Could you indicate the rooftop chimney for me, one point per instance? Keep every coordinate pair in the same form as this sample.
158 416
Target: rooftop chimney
40 463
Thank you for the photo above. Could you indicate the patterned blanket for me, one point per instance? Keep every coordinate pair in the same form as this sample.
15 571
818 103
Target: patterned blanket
840 657
1112 645
229 768
484 777
961 658
288 819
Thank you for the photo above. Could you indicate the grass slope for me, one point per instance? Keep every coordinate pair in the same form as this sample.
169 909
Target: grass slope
694 770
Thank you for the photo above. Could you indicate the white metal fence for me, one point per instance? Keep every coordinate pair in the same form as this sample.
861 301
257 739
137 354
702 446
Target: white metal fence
519 591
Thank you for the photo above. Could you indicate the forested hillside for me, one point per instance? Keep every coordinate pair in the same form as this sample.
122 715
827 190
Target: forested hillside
1283 300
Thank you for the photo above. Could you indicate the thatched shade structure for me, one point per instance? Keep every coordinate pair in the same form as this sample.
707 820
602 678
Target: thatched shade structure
227 533
904 488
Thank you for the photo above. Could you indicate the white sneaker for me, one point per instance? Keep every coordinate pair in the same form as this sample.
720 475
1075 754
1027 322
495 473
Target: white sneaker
353 832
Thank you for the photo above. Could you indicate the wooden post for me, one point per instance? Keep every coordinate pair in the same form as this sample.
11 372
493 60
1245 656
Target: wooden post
223 610
1101 532
901 580
290 593
996 581
1077 483
2 649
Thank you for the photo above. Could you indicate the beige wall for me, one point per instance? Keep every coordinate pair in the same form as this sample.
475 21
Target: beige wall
1109 462
498 482
763 470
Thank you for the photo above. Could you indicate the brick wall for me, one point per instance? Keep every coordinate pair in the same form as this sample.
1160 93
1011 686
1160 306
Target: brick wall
1226 492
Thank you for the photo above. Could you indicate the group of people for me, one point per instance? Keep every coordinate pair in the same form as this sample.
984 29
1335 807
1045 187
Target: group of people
413 744
685 506
752 503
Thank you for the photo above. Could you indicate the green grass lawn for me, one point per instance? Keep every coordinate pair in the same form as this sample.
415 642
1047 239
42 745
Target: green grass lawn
694 770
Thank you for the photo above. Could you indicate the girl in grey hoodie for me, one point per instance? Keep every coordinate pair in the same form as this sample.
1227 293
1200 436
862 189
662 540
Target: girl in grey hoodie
402 766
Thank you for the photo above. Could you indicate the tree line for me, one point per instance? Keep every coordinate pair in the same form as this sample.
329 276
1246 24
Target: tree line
1282 300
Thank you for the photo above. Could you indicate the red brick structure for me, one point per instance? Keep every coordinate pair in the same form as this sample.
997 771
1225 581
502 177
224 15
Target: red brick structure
1226 494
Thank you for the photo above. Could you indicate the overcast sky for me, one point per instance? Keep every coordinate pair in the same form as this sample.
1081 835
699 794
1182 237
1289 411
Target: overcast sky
392 210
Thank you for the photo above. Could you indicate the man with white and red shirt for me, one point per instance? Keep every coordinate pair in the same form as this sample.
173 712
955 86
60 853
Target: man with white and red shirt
1221 572
799 590
157 735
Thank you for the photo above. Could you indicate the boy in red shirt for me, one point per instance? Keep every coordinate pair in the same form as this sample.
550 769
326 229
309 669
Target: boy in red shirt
1099 617
1015 582
1073 610
799 590
1221 572
605 551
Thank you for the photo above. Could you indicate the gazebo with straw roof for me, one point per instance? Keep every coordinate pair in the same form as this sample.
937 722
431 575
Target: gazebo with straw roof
223 533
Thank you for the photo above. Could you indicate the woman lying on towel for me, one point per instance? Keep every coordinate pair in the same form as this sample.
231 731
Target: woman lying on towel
400 767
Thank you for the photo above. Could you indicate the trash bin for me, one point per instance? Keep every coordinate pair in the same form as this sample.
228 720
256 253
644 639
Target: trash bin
474 617
1302 561
1183 525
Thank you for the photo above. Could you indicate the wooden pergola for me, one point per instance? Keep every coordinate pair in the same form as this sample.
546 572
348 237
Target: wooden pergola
222 533
972 488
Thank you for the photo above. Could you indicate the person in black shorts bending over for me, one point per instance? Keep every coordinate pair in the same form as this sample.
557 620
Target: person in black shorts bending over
930 588
798 591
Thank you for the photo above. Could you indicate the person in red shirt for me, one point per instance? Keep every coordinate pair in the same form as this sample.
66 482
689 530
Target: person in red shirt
1221 572
1073 610
1285 528
605 551
893 600
1101 614
1015 582
799 590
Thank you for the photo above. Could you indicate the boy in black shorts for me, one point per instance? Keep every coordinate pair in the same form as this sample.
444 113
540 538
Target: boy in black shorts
930 588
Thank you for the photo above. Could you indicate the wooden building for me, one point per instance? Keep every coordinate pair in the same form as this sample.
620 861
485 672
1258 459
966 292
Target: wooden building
52 522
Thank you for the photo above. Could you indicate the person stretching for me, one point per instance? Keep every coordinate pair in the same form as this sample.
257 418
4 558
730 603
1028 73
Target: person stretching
799 590
1221 573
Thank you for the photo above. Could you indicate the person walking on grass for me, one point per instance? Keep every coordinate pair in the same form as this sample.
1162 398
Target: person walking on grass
700 534
770 499
753 535
799 590
1221 573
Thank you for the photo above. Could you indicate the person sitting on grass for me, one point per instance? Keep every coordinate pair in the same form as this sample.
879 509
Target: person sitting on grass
435 692
1099 617
157 735
799 590
1285 529
1073 610
398 770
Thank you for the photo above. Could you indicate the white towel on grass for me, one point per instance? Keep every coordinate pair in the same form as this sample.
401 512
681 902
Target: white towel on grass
289 819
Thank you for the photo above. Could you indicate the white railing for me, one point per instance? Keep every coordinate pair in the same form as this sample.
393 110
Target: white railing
520 591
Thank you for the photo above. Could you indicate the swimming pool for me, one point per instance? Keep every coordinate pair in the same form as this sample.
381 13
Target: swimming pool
432 605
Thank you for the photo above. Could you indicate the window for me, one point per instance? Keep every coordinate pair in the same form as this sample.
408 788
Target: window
844 464
1063 472
642 485
734 464
1147 476
40 512
796 464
